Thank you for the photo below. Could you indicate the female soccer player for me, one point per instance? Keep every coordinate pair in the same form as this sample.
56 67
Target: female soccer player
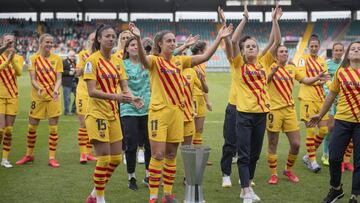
123 37
167 103
10 68
107 85
346 84
135 120
253 101
82 103
282 115
45 74
311 99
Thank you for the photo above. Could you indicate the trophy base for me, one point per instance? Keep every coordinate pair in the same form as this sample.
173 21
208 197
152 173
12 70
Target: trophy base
194 194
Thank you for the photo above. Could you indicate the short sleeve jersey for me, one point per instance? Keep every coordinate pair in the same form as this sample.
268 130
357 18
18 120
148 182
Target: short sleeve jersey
81 89
139 84
312 67
282 85
347 84
251 84
8 73
107 74
46 69
167 88
190 80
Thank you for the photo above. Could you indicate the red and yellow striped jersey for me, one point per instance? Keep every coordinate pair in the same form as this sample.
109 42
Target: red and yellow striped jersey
312 67
190 80
167 88
202 69
346 82
119 54
282 85
45 69
108 74
81 89
8 73
251 85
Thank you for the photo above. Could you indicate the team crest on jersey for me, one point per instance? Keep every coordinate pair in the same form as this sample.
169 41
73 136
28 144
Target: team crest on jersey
301 62
118 67
188 77
177 63
88 68
290 72
52 63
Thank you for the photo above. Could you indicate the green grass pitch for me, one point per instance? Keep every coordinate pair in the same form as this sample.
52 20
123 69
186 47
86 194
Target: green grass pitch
72 182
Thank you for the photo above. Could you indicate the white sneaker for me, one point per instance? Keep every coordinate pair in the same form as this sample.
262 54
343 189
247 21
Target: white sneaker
314 167
234 160
253 195
226 181
140 156
5 163
247 198
306 160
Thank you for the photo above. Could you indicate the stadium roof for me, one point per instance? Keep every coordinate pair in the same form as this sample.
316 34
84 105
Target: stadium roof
162 6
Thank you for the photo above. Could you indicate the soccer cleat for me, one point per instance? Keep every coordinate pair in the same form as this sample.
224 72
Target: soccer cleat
314 167
91 157
273 179
334 195
132 184
226 181
306 160
153 200
53 163
291 176
90 199
169 198
140 156
6 164
83 159
348 166
325 159
146 181
25 159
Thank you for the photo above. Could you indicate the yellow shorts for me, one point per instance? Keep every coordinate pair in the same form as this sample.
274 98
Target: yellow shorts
200 106
82 105
189 128
166 125
9 106
310 108
41 109
103 130
283 119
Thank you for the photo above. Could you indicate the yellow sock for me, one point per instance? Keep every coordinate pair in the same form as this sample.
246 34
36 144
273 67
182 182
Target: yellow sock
197 139
155 167
7 142
290 161
169 173
310 143
31 139
348 152
323 131
53 138
82 140
272 161
99 176
115 160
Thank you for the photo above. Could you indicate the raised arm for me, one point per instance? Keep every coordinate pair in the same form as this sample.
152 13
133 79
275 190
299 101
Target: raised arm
223 32
269 44
276 15
227 40
145 60
237 33
190 40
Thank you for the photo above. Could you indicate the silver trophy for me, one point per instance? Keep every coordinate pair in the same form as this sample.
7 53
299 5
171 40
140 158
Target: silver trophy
195 158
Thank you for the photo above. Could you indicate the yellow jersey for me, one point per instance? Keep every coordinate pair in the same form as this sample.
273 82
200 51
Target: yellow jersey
232 93
119 54
8 73
346 83
312 67
45 69
282 85
167 88
190 80
202 69
81 89
107 74
251 84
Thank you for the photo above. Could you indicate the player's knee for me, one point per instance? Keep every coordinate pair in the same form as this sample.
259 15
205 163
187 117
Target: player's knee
158 155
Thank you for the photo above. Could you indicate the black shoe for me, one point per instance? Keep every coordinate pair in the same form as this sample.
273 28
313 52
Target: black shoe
132 184
353 200
334 195
146 181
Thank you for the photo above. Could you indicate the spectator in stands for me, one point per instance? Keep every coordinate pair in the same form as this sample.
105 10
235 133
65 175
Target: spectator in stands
68 82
